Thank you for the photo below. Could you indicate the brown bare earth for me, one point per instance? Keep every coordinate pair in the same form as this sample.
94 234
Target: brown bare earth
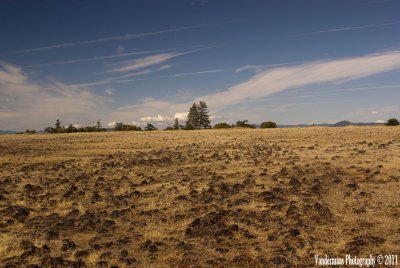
211 198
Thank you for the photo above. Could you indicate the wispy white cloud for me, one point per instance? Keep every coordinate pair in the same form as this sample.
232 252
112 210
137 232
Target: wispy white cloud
350 28
363 113
111 124
164 67
377 2
259 68
144 62
120 50
279 79
138 73
144 109
335 91
198 72
132 65
290 106
109 91
115 38
283 78
156 118
120 80
97 58
26 104
181 116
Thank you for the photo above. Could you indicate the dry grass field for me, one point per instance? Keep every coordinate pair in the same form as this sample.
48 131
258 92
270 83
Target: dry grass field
212 198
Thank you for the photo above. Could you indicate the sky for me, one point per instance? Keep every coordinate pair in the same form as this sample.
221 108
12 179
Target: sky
138 62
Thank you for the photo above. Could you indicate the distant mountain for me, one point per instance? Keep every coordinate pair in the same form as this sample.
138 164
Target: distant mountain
7 132
344 123
361 124
293 126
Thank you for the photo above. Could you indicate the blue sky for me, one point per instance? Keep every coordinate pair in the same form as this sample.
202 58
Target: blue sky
147 61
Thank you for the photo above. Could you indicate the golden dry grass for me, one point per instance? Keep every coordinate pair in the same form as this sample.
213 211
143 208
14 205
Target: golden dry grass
212 198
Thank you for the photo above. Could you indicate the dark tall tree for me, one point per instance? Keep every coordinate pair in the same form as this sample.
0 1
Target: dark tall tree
58 127
49 130
150 127
268 124
71 128
204 118
245 123
392 122
58 123
98 124
176 124
119 126
193 118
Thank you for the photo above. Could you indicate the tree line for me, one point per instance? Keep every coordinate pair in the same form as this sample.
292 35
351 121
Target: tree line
58 128
246 124
197 118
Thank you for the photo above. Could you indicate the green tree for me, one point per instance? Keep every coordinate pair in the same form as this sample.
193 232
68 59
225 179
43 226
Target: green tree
222 125
176 124
98 124
49 130
268 124
204 118
58 128
119 127
193 118
245 124
392 122
242 123
71 128
30 131
58 124
150 127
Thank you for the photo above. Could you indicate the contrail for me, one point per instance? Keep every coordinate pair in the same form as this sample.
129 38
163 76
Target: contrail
100 57
350 28
121 81
113 38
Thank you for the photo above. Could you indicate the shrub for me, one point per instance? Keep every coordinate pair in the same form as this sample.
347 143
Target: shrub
150 127
188 127
392 122
122 127
49 130
222 125
268 124
245 124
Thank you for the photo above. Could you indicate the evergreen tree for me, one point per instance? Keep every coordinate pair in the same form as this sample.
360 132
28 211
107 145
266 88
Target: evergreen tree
49 130
150 127
392 122
193 118
70 128
119 126
176 124
58 127
204 118
98 124
58 124
268 124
